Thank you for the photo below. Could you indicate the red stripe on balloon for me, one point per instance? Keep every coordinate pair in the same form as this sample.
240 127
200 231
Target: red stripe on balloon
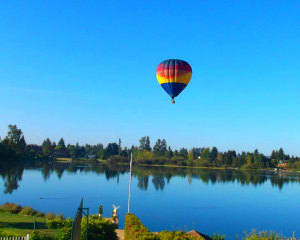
181 67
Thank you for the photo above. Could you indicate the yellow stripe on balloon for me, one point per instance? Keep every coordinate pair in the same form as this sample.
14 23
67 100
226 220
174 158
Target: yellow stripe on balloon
177 79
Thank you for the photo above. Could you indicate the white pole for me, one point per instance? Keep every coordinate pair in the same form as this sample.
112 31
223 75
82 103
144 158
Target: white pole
130 177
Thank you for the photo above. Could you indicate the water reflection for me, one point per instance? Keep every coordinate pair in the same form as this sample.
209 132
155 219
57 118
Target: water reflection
159 176
11 177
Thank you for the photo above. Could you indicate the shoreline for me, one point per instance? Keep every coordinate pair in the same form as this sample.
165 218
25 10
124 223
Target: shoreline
104 162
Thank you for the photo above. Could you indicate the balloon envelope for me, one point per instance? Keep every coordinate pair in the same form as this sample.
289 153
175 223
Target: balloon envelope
173 75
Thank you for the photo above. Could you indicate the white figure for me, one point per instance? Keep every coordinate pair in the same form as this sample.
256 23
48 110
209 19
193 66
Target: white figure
115 210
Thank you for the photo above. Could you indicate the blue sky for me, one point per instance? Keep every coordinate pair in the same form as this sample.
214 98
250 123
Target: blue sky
85 71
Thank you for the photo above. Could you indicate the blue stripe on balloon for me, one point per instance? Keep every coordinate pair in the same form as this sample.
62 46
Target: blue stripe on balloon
173 89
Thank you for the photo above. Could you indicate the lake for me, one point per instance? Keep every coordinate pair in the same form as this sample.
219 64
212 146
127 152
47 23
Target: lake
227 202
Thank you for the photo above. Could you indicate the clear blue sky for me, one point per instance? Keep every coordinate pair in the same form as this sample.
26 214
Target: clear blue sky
85 71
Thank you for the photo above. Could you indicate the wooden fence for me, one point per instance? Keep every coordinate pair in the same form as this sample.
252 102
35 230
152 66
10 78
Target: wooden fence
15 238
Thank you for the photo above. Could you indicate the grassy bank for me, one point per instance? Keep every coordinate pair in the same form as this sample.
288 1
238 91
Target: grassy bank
18 221
16 224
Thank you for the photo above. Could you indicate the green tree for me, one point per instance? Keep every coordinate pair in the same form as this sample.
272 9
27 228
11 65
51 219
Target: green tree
145 144
249 160
47 149
60 149
14 134
15 140
183 152
100 151
205 154
61 145
120 146
213 154
191 157
219 160
111 150
160 147
169 153
98 229
281 154
64 233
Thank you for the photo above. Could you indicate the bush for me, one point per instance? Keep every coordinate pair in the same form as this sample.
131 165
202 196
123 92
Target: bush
99 229
218 237
11 208
59 217
68 222
64 233
134 228
50 216
35 235
117 159
28 211
262 236
178 160
40 214
3 234
147 236
166 235
54 224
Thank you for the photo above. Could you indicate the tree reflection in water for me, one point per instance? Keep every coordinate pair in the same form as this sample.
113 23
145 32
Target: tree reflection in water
11 176
160 176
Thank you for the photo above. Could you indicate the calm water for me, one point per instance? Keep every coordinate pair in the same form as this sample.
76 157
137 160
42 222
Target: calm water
211 201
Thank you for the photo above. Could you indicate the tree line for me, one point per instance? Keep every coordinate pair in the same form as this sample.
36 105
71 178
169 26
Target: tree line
13 147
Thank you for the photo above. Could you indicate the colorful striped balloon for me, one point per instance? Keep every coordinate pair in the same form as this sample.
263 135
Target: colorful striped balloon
173 75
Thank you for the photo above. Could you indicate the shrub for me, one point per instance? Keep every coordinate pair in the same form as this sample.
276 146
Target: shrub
134 227
3 234
68 222
254 235
218 237
59 222
135 230
28 211
99 229
117 159
50 216
147 236
178 160
40 214
59 217
64 233
166 235
54 224
35 235
11 208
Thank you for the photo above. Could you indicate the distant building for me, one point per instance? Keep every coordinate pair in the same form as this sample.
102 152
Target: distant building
281 164
195 233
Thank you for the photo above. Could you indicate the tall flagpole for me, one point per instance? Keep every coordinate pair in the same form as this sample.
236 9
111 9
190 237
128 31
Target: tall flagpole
130 177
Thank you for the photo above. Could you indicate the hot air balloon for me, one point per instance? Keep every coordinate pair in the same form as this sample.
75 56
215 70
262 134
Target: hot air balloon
173 75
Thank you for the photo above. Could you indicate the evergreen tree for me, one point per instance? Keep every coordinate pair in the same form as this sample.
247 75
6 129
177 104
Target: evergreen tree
145 144
61 144
160 147
213 154
47 149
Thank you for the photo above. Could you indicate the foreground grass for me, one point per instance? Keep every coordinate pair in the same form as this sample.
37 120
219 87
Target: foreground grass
16 224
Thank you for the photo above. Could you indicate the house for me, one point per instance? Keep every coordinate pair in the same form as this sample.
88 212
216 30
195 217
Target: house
195 233
281 165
